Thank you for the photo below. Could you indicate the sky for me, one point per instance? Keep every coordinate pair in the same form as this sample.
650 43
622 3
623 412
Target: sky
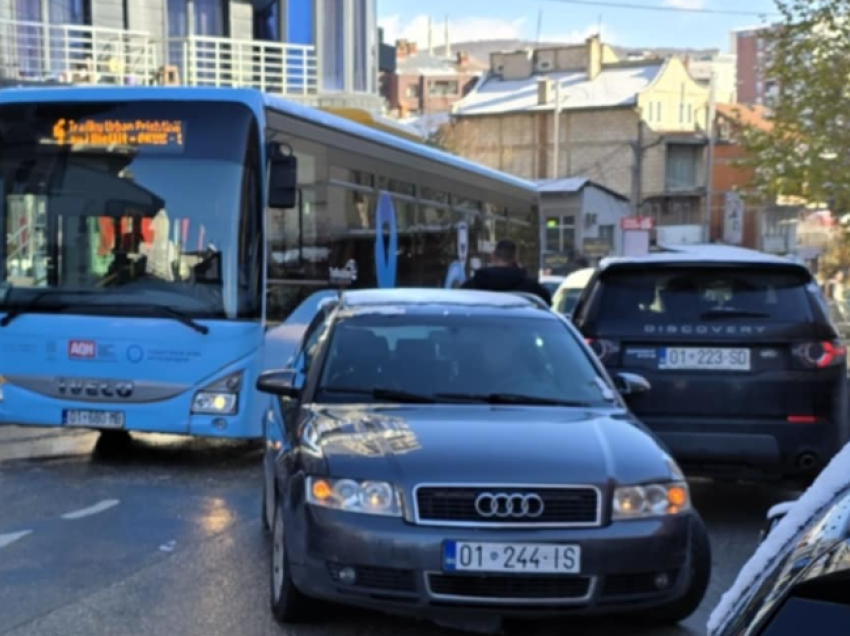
563 21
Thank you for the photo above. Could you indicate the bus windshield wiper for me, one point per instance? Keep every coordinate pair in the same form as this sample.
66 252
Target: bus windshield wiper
176 314
720 314
383 394
35 301
511 398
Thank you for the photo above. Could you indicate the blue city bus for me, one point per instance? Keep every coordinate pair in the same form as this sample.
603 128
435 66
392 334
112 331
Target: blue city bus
159 238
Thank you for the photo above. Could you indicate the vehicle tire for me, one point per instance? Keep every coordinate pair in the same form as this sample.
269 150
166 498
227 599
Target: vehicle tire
287 603
113 444
700 565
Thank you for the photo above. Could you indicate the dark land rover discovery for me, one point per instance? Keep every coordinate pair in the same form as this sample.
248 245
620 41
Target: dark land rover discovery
748 373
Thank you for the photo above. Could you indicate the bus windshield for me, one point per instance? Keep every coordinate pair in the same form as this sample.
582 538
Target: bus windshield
130 208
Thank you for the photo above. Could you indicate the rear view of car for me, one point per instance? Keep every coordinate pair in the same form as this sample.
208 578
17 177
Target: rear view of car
748 373
569 291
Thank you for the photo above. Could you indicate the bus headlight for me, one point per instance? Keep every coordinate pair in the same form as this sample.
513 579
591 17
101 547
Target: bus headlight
220 397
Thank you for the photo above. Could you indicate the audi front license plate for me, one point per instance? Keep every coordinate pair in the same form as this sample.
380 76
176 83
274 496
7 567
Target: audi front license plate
544 558
93 419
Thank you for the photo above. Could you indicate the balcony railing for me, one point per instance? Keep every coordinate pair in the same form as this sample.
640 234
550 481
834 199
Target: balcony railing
36 51
271 67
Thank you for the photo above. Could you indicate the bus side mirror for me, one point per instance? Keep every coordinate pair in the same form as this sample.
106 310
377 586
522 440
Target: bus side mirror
283 180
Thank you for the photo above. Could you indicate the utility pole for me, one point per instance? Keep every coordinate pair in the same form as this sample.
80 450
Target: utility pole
637 168
556 154
709 162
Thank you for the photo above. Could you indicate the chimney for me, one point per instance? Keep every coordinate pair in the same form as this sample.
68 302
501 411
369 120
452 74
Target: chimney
462 59
401 51
430 36
544 91
448 40
594 57
412 48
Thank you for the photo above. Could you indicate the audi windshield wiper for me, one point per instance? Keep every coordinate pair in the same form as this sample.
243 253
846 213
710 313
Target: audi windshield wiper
720 314
383 394
35 301
511 398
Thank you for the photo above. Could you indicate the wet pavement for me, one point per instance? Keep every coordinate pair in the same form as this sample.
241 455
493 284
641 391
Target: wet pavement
165 538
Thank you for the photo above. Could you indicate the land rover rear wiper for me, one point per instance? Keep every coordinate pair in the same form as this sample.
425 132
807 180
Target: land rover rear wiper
720 314
383 394
35 301
511 398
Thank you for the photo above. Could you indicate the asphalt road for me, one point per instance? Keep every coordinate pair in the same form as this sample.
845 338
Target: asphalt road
167 540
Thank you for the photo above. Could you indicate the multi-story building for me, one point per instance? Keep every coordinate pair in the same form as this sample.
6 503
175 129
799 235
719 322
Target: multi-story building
634 127
721 69
321 52
426 82
752 48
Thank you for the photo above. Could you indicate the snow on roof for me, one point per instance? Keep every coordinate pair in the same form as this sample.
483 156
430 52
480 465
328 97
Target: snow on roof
614 86
701 253
572 185
427 124
834 480
429 296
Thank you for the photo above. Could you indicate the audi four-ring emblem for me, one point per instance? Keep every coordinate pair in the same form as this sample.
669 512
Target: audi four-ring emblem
504 505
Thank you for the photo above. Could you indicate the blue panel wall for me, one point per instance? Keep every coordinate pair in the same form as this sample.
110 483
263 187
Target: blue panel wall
300 21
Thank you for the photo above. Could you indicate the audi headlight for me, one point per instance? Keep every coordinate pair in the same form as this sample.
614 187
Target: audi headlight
651 500
220 397
368 497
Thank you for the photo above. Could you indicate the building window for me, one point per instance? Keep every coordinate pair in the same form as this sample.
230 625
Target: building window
651 112
658 112
299 21
267 22
682 167
413 91
443 88
560 234
209 17
361 43
333 45
681 113
690 113
606 235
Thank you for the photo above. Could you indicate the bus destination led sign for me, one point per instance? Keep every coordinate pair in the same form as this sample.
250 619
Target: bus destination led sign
161 133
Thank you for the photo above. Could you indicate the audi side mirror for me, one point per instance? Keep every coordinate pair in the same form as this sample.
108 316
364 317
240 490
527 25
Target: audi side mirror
631 384
281 383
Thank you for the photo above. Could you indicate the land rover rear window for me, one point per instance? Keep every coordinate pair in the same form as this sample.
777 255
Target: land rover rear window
693 295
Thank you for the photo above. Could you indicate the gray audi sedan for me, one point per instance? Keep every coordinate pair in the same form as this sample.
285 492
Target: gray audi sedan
455 454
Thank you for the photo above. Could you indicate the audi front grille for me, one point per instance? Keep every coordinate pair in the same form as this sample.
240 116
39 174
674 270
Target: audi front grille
508 506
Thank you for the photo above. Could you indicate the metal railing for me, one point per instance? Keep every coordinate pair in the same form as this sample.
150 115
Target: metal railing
37 51
272 67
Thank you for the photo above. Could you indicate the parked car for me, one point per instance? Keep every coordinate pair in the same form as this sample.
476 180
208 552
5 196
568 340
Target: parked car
551 283
748 372
569 291
798 579
452 454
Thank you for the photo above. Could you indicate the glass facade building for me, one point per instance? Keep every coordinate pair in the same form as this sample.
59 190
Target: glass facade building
341 37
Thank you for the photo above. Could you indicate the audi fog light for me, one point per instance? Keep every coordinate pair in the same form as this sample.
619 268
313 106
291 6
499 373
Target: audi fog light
652 500
220 397
367 497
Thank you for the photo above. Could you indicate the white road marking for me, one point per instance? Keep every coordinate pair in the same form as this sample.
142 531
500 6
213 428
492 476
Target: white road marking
8 539
91 510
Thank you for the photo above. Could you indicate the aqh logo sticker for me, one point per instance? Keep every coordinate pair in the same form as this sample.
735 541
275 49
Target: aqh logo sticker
82 349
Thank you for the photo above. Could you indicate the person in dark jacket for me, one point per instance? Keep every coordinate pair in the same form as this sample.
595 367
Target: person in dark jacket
505 274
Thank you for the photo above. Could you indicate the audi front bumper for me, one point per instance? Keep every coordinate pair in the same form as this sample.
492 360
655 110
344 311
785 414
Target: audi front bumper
398 568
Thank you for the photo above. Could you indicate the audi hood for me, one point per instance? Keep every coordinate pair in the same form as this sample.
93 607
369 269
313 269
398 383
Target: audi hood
410 445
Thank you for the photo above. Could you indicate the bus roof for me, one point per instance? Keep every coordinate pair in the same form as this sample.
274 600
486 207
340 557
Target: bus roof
257 101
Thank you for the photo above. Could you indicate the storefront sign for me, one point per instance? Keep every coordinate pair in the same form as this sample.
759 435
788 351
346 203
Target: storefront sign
639 223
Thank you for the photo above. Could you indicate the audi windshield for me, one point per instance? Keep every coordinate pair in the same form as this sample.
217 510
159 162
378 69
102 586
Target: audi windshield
458 358
134 206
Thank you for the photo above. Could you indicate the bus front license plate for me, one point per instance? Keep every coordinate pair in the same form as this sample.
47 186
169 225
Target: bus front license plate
93 419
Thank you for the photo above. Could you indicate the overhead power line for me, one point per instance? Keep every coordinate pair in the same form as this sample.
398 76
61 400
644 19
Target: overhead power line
667 9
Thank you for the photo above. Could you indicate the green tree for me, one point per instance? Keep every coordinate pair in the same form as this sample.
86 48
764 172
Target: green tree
807 151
